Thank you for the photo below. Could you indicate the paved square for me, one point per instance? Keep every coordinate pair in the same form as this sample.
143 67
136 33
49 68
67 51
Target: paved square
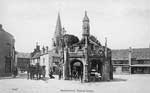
120 84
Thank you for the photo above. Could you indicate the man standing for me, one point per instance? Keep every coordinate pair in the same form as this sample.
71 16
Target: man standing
15 72
28 71
60 73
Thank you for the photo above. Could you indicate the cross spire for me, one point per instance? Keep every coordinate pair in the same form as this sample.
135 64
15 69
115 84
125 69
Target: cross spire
85 17
58 28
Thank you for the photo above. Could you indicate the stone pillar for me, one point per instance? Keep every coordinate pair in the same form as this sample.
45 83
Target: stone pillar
106 64
64 71
111 69
85 73
106 72
85 69
129 58
65 65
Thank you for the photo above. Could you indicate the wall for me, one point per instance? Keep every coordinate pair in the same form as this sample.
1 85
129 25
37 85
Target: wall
6 51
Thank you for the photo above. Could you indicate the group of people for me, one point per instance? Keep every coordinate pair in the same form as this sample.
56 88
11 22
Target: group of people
35 70
77 75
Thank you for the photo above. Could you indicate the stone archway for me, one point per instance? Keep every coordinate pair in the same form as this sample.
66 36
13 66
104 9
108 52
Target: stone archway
76 67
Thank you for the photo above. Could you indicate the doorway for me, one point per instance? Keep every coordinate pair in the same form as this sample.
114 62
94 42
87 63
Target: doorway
7 65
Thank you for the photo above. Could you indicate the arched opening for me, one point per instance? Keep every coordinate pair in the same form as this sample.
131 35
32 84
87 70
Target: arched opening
96 70
76 69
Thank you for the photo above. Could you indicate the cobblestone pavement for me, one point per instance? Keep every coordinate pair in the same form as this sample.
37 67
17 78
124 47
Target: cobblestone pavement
120 84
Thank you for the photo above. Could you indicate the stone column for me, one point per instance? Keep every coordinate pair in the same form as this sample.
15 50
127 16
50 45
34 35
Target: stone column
111 69
65 65
106 72
63 71
85 73
129 58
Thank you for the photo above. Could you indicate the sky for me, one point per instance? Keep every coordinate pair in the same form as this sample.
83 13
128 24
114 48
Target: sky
125 23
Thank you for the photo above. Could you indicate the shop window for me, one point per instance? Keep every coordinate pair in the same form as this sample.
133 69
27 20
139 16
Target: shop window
140 62
121 62
146 62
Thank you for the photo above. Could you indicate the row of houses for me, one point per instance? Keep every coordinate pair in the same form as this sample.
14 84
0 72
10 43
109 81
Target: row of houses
133 61
124 61
45 57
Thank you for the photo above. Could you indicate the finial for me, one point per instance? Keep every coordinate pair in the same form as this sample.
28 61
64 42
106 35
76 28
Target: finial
130 49
85 13
86 17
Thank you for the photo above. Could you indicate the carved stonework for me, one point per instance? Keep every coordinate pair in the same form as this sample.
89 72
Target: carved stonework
87 57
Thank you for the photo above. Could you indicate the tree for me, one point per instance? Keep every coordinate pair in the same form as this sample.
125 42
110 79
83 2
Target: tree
94 39
70 39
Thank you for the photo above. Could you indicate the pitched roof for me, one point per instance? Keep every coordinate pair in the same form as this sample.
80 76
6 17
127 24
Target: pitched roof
23 55
36 55
141 53
120 54
138 53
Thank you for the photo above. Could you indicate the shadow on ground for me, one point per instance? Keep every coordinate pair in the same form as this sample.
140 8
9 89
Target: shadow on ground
118 80
114 80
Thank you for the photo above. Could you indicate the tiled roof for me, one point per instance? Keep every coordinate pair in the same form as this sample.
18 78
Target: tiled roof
121 54
23 55
138 53
142 53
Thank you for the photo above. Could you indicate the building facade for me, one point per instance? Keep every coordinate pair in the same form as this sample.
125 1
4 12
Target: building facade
23 60
7 52
131 61
47 58
35 55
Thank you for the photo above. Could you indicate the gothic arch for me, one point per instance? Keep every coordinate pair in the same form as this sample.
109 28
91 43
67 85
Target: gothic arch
96 65
76 68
